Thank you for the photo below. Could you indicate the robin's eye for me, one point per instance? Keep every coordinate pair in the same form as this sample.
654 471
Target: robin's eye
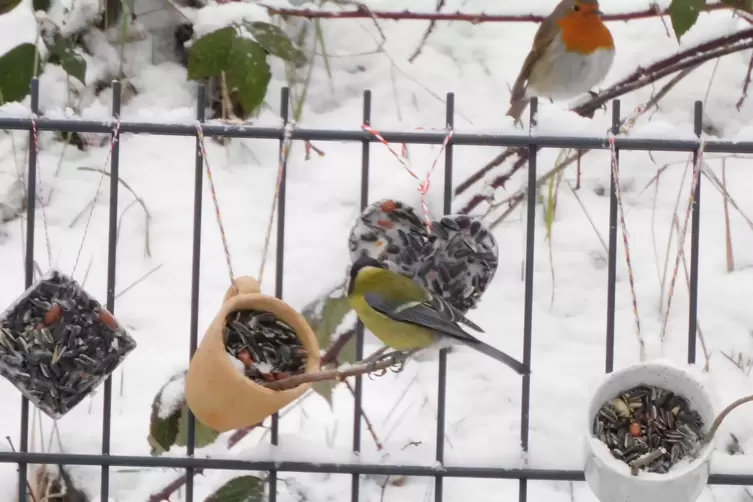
576 7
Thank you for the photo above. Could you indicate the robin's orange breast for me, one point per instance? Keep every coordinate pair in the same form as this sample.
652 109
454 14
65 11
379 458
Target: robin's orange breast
585 33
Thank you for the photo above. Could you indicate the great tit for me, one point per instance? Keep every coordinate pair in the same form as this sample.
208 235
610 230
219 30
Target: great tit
405 316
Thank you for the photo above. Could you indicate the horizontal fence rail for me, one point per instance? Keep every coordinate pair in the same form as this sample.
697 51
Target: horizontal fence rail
529 141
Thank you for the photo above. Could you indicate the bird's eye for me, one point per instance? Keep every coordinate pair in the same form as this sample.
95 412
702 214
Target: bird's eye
576 7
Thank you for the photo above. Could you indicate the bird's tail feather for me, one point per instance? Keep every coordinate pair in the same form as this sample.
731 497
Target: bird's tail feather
500 356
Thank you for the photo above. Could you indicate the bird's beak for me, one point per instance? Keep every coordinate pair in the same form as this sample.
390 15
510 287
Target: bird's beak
598 12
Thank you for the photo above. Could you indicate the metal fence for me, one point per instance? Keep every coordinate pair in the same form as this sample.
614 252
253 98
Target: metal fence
533 143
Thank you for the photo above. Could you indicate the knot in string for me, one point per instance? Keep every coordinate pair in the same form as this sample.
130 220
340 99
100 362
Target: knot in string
423 185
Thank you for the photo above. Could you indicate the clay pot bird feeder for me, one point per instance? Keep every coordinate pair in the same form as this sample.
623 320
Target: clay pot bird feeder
665 400
217 392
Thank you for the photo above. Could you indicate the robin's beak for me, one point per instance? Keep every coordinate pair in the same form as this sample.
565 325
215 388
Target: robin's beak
598 12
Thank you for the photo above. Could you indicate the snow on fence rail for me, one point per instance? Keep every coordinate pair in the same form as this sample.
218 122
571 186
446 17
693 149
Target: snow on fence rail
195 465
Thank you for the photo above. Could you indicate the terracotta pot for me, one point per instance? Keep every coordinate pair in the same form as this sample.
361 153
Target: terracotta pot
217 392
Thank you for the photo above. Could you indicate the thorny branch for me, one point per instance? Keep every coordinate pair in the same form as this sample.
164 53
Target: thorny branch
362 13
641 77
427 33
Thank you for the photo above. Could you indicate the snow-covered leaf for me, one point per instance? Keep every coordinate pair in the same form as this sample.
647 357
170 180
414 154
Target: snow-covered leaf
8 5
249 72
208 56
240 489
275 41
16 72
64 54
684 14
205 435
167 409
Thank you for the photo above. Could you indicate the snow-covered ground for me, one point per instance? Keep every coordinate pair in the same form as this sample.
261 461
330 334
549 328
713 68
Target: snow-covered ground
479 63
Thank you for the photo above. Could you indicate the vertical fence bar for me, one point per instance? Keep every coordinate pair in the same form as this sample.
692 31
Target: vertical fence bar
525 400
280 260
112 245
31 191
198 191
355 486
695 228
442 379
612 252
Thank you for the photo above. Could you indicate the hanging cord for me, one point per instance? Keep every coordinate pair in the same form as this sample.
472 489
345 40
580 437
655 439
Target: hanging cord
42 204
115 139
696 179
423 185
618 189
200 136
287 144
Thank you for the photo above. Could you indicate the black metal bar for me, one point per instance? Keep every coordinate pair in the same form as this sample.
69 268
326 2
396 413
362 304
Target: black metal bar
355 486
525 399
112 245
280 261
320 467
31 201
409 137
193 333
442 377
695 229
612 252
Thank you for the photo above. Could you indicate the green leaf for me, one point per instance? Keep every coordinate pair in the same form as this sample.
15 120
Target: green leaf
684 14
240 489
163 431
16 72
205 435
64 54
248 71
208 56
275 41
8 5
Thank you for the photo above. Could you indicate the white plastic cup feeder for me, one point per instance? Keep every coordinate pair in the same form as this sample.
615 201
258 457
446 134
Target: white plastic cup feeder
610 479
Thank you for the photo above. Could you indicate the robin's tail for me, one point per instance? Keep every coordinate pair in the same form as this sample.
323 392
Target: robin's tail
517 107
500 356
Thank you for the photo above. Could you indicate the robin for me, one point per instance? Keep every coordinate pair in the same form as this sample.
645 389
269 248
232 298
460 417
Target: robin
572 52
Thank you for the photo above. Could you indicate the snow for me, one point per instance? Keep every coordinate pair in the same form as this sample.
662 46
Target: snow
479 63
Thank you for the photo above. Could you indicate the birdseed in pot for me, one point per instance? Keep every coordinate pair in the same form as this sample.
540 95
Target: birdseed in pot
649 428
57 344
268 348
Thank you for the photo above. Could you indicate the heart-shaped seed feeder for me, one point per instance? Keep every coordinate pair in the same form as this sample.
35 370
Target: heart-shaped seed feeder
254 339
456 261
57 344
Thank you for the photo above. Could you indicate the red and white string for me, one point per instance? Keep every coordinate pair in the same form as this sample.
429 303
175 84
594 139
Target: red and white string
115 139
697 167
42 202
625 240
423 184
223 235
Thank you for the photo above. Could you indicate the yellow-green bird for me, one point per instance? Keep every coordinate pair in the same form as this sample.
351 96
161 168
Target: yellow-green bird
405 316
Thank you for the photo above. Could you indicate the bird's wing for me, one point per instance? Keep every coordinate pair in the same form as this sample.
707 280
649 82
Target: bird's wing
425 315
449 312
545 35
418 313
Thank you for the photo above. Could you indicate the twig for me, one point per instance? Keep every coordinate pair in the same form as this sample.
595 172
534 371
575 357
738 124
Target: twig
746 84
428 32
726 411
138 281
148 216
519 197
28 485
727 230
688 59
385 362
363 13
369 425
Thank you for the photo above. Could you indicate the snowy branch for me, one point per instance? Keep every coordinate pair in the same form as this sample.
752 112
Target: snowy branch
641 77
362 13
